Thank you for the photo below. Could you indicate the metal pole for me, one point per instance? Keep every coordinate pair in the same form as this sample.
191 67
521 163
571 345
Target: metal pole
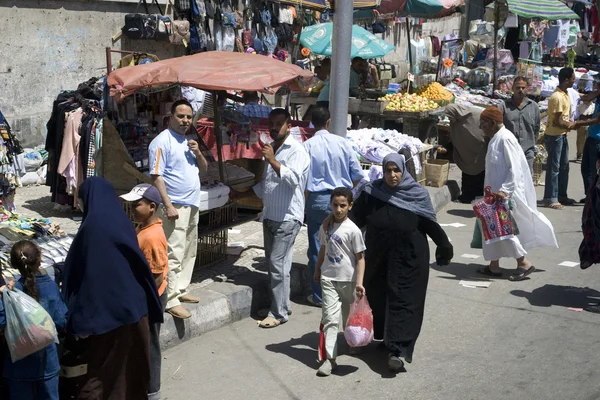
340 66
410 63
496 23
217 132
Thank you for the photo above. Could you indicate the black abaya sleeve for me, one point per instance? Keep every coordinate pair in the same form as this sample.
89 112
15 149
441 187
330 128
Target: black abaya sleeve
445 250
358 215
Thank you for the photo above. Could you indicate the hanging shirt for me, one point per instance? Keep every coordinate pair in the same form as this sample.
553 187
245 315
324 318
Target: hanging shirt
283 195
333 163
171 158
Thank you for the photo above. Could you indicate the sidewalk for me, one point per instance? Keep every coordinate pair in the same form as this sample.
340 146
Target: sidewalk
230 290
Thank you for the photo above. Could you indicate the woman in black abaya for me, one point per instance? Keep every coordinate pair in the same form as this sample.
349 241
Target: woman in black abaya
111 297
398 215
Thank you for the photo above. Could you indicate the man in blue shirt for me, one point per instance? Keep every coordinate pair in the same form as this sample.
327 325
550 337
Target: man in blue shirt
332 164
252 109
175 166
592 143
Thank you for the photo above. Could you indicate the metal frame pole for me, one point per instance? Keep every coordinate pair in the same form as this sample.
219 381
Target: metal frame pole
340 66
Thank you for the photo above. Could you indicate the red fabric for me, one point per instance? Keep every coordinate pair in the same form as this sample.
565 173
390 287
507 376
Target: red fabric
254 151
596 25
322 350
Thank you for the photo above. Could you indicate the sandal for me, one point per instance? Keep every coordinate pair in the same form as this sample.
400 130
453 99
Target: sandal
487 271
555 206
521 273
270 322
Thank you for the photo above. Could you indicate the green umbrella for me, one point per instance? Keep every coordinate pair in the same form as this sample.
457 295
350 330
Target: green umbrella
317 38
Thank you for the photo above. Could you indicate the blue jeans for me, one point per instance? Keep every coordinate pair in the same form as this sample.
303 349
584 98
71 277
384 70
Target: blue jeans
588 162
317 209
557 169
279 240
44 389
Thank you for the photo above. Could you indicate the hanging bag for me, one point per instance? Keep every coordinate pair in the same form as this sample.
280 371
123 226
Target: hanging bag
181 32
29 327
496 218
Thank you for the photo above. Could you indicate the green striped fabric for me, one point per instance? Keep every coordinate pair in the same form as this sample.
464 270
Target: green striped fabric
544 9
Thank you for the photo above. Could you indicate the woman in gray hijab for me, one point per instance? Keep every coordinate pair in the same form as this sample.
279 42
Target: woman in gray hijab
398 215
469 148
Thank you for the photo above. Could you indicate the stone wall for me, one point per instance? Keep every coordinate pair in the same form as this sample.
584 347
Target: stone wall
47 46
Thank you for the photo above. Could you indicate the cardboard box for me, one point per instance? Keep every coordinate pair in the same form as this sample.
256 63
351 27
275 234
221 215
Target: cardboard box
436 172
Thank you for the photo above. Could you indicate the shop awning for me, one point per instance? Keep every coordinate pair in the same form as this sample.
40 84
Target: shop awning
420 8
321 5
212 70
544 9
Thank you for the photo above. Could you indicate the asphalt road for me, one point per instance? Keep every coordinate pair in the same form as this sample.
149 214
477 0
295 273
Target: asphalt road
513 340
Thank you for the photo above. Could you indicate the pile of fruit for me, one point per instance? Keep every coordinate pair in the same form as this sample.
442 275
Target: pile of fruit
435 91
408 103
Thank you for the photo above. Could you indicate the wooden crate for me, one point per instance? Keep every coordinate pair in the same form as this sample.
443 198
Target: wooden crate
371 106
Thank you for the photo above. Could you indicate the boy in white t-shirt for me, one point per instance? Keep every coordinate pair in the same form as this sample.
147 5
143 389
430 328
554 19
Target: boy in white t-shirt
340 269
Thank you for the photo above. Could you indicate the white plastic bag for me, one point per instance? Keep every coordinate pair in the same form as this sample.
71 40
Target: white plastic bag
29 328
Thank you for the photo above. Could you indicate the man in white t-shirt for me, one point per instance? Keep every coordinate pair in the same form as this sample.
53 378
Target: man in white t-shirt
340 269
175 166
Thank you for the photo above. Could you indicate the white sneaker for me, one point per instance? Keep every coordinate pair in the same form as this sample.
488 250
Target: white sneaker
326 368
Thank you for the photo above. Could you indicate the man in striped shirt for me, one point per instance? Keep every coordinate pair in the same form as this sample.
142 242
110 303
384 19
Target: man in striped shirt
282 194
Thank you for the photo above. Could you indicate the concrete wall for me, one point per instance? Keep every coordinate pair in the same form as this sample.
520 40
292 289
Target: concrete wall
47 46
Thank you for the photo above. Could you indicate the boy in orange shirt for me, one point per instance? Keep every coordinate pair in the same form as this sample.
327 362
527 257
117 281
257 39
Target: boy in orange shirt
153 242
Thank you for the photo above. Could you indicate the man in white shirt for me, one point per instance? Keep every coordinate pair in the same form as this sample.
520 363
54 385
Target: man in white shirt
175 166
282 194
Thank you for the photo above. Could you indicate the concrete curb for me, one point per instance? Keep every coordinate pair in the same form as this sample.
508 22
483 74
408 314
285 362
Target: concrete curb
223 303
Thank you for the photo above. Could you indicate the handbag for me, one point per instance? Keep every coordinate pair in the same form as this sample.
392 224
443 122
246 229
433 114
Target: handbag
181 32
496 220
229 19
147 26
210 9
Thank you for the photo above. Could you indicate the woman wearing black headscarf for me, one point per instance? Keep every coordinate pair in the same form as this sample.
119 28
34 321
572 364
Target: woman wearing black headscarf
398 215
111 296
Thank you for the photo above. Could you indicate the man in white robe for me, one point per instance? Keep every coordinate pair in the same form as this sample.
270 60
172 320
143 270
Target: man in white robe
507 173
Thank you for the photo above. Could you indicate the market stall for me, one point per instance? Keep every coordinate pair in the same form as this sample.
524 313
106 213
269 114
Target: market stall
225 136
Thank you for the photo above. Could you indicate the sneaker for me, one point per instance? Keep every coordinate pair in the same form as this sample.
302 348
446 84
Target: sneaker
326 368
395 364
582 201
311 300
179 312
579 158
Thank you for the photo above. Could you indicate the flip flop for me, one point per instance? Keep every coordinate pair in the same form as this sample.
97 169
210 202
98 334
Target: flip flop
521 273
487 271
270 322
555 206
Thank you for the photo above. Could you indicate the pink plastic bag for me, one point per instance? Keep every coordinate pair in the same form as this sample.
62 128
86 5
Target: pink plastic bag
359 327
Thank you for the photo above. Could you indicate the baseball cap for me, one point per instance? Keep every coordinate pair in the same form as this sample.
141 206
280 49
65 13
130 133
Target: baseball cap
144 190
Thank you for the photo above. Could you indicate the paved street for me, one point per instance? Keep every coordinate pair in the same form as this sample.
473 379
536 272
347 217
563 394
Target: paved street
509 341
